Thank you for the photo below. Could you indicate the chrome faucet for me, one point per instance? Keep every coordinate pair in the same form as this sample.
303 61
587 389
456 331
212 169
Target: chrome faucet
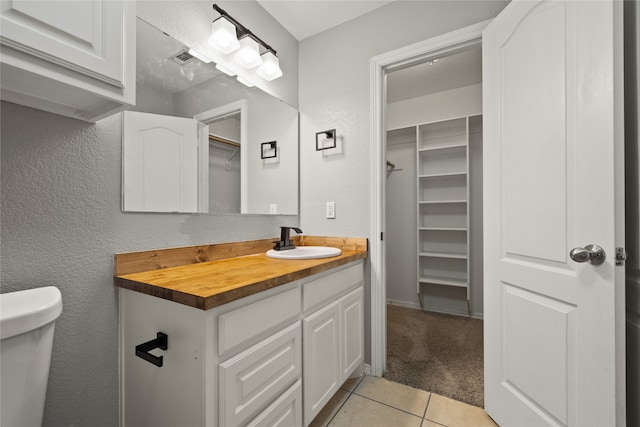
285 242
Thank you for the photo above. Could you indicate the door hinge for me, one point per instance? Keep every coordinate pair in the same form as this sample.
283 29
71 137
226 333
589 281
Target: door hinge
382 235
621 256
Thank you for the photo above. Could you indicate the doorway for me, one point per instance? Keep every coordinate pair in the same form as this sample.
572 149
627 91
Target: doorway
383 65
433 224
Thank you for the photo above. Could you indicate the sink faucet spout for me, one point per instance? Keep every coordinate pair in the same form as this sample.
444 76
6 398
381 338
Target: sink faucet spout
285 242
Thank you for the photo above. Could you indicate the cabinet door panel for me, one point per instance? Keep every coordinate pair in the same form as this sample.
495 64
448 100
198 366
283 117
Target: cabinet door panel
85 36
322 372
351 307
253 379
160 163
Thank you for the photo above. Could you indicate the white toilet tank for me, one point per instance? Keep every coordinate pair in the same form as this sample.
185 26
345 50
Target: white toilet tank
27 321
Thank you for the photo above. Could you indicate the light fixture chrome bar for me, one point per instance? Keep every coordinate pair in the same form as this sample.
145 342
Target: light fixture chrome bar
241 30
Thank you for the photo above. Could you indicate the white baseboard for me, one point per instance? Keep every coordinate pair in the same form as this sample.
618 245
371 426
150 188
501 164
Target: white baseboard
367 369
406 304
435 309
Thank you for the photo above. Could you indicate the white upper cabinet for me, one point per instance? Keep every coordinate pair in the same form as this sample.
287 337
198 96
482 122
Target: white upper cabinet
68 57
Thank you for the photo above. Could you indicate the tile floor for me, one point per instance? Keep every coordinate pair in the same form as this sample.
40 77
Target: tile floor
371 401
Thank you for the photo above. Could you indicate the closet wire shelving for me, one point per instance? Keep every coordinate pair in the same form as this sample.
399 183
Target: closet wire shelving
443 228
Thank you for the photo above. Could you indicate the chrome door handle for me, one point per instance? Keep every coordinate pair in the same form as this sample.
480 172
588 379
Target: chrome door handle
592 253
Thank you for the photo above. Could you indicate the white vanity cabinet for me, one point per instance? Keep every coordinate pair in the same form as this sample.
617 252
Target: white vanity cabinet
74 58
245 363
333 335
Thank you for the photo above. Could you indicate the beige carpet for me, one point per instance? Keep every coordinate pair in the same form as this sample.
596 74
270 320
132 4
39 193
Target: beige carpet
439 353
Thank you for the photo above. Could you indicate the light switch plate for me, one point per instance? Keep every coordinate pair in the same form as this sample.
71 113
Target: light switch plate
331 210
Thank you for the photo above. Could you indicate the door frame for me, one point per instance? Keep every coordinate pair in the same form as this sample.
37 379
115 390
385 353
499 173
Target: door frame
379 66
209 116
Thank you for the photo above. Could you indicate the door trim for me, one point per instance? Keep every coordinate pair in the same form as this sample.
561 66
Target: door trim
208 116
379 66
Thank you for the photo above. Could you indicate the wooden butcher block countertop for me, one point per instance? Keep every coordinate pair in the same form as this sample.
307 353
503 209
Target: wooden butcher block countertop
207 276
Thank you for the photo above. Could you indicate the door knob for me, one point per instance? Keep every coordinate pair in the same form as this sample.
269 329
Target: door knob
592 253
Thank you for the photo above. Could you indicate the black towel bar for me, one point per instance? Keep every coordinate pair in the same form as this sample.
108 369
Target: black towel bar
161 342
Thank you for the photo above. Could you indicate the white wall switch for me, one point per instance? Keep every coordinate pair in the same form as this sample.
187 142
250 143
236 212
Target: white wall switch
273 208
331 210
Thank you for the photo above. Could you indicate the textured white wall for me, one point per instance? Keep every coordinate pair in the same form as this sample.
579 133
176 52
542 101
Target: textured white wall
334 93
61 226
61 220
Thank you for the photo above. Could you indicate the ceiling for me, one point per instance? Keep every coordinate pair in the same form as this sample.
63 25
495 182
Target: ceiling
449 72
305 18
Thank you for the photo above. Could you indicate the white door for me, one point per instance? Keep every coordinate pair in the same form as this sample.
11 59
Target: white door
554 344
160 163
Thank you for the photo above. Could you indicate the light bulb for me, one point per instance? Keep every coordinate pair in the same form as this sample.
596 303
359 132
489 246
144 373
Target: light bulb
270 68
225 70
223 36
248 55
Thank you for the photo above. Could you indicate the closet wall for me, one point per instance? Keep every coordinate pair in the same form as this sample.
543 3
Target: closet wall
401 202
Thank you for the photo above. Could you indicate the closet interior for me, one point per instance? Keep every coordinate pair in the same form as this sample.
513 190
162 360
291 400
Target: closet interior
434 185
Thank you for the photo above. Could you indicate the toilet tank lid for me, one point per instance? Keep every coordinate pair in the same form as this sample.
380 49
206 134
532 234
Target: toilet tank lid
24 311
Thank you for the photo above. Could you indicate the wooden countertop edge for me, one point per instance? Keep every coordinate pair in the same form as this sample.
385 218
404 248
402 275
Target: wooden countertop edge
206 303
136 262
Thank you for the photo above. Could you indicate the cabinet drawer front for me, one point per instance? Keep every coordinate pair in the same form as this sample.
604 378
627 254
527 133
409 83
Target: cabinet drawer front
254 320
286 411
331 286
254 378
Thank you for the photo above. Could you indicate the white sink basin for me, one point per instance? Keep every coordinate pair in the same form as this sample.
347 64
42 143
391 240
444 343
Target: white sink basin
305 252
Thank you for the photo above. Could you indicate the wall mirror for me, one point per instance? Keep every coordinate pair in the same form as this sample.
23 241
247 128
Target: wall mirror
194 141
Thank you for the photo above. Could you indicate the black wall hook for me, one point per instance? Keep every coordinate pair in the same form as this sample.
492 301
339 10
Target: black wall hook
161 342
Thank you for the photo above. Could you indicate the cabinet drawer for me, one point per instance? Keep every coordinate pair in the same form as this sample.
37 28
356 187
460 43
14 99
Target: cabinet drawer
254 320
286 411
331 286
253 379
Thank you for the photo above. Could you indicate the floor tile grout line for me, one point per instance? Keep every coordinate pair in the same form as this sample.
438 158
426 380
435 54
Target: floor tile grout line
424 414
386 404
349 393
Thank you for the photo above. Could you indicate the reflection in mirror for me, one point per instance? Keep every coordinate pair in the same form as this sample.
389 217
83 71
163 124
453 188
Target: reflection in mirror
231 122
224 164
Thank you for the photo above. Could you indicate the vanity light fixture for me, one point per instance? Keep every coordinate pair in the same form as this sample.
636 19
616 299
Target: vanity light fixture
249 54
228 35
225 70
200 56
223 35
244 81
269 150
270 67
326 140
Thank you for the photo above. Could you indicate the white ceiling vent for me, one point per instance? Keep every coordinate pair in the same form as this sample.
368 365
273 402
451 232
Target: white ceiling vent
181 58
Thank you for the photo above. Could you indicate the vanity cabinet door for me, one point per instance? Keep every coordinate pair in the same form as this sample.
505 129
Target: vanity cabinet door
322 373
75 58
352 323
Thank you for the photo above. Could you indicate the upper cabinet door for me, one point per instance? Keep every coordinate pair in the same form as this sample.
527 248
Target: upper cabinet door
84 36
553 181
73 58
